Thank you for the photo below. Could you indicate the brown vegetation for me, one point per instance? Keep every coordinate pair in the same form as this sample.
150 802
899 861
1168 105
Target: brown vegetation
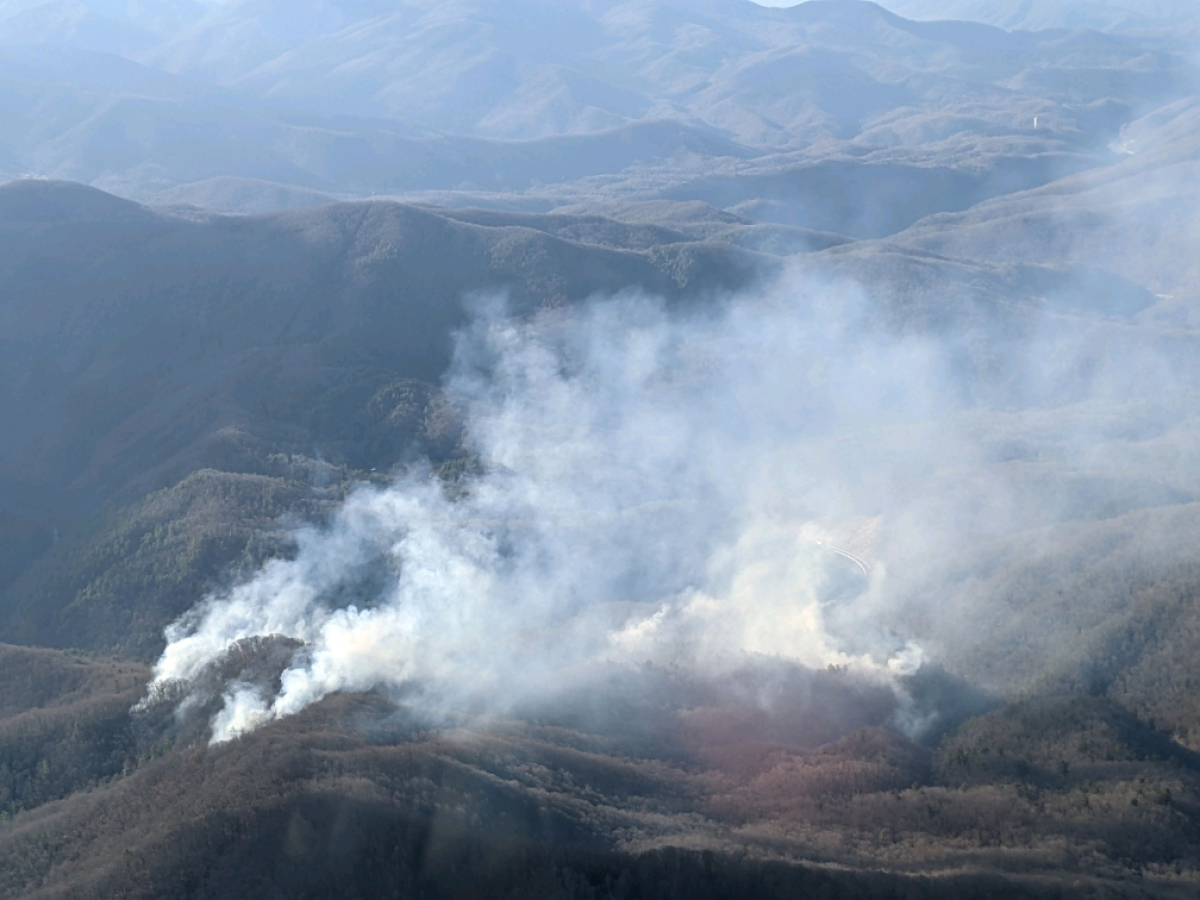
1064 797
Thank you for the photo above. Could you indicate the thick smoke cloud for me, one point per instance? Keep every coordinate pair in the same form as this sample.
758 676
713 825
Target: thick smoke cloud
697 489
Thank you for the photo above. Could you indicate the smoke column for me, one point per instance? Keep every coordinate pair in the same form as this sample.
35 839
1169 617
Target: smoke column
656 486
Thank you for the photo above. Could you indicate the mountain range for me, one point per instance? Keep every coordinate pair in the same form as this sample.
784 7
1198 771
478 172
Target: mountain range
251 104
245 248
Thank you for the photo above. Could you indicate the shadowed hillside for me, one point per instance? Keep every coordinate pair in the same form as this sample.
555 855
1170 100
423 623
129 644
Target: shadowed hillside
303 349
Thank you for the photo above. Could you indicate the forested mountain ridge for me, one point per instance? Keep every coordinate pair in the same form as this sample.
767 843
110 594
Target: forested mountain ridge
349 797
142 346
204 514
864 346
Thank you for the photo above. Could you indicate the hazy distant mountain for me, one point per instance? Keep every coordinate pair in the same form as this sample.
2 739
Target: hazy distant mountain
361 99
1138 218
1036 15
767 76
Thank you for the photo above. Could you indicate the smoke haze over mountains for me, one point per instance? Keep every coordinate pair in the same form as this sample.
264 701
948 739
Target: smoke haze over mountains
646 479
599 448
669 487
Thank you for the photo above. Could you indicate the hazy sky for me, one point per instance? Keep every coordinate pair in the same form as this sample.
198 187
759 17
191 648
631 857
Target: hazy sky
997 9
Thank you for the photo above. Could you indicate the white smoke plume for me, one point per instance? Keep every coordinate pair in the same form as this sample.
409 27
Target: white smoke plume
656 485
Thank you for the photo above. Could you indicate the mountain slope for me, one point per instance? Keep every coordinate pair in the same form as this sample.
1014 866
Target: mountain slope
140 346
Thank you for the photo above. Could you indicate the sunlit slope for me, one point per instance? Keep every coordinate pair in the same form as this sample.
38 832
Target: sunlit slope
1042 799
1136 219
